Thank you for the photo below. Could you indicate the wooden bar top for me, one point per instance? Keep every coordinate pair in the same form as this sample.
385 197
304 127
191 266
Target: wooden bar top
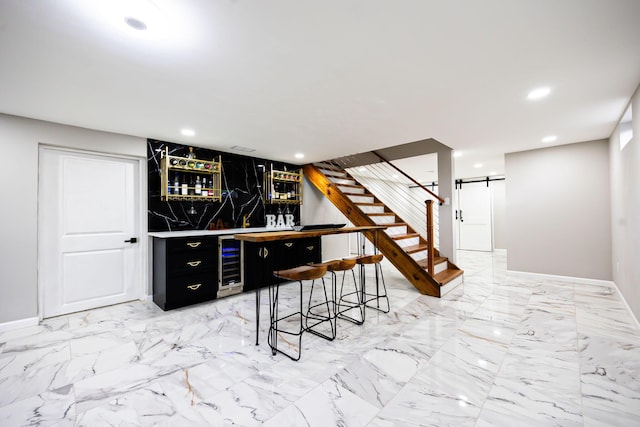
271 236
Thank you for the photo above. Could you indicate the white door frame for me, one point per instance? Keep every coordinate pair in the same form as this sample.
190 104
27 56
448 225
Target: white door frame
143 288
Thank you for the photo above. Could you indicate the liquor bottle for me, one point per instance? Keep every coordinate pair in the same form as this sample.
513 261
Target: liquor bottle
176 184
185 186
205 191
276 190
192 186
198 189
191 155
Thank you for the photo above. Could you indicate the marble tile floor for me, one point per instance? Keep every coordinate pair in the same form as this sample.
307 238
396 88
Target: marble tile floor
497 351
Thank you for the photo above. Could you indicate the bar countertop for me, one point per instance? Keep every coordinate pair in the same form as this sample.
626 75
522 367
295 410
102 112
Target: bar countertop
198 233
268 236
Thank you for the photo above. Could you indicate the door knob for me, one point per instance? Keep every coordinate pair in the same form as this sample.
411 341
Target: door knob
132 240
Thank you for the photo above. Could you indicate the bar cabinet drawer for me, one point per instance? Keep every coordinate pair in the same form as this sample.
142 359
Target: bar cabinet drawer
191 289
191 262
191 244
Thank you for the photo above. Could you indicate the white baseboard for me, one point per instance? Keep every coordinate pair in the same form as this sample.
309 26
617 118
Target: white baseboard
624 301
579 280
18 324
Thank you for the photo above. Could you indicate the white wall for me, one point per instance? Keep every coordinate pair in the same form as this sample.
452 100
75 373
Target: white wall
19 141
558 210
317 209
625 211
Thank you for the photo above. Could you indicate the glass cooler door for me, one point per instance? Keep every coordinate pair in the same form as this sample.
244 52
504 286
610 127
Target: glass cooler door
230 266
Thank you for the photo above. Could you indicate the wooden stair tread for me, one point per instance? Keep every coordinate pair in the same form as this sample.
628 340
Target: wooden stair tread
337 184
404 236
415 248
346 193
436 260
382 214
447 276
395 224
337 174
368 204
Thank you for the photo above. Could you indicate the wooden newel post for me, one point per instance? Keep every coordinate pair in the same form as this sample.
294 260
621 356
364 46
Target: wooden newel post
429 236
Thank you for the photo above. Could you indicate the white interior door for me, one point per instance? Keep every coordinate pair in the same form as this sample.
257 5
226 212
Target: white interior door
474 217
88 209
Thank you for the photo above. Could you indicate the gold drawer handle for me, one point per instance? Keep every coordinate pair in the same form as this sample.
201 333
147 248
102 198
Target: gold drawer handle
288 244
263 252
194 244
310 248
194 263
194 287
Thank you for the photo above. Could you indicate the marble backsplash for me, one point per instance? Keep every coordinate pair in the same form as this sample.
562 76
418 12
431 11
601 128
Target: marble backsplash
241 193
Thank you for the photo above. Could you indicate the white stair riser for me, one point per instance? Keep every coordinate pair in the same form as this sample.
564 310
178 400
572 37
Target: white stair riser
403 243
361 199
445 289
332 173
350 189
387 219
394 231
325 166
339 181
372 209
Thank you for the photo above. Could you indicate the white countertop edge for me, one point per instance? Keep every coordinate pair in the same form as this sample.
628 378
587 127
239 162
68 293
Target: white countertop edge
196 233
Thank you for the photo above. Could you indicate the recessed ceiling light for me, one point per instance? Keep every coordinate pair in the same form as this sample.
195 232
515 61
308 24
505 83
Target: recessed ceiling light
299 156
457 153
135 23
549 138
395 175
362 168
493 173
188 132
478 165
539 93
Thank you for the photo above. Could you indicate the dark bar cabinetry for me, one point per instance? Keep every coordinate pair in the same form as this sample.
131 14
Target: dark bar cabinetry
261 259
184 271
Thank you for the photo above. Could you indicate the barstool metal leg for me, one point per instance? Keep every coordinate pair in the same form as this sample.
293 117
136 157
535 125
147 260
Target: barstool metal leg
319 318
350 305
378 296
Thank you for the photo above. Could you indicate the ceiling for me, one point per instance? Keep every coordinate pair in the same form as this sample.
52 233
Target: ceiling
329 78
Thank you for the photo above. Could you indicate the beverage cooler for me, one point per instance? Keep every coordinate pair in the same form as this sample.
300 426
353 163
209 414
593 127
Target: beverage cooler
230 266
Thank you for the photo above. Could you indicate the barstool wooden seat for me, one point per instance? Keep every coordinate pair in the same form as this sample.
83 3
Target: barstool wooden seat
374 259
296 274
303 272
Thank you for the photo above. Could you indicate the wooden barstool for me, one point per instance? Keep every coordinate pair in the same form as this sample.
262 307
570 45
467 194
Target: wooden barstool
297 274
343 301
311 313
375 259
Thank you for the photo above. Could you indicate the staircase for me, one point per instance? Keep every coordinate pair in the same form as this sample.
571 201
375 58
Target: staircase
400 244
